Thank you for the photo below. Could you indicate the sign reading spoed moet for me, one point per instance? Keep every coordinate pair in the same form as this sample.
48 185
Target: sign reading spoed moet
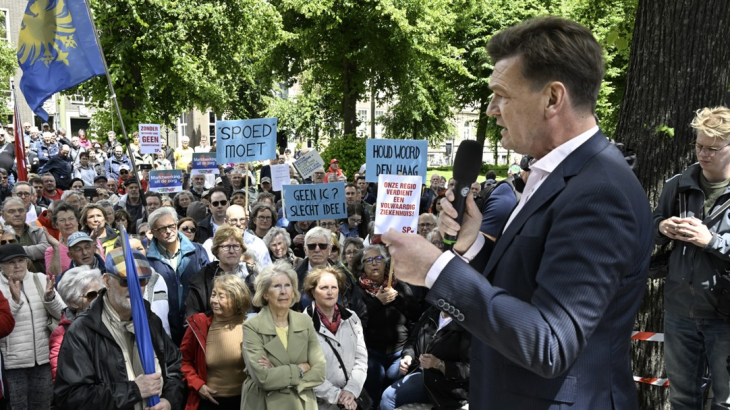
245 140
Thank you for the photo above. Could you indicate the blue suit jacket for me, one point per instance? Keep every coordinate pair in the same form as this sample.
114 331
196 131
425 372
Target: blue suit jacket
553 312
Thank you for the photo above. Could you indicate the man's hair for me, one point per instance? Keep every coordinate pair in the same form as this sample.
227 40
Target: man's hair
35 180
47 174
13 199
554 49
350 186
83 154
22 183
359 178
318 232
217 189
153 195
159 213
266 195
69 193
491 175
74 282
713 122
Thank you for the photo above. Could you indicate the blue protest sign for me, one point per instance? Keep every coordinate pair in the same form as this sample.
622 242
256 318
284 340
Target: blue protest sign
204 164
245 140
166 181
395 157
311 202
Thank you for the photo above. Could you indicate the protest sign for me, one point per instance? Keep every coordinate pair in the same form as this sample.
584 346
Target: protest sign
279 176
166 181
310 202
307 163
149 139
204 164
397 204
395 157
245 140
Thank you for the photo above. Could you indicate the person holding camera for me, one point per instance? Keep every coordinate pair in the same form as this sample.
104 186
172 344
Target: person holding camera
693 212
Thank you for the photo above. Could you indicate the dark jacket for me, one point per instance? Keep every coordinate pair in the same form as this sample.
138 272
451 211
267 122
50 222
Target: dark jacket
193 259
452 344
293 232
61 169
389 325
205 228
91 371
201 286
691 286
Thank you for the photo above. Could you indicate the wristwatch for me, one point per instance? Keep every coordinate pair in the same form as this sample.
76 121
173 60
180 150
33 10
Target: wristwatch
441 366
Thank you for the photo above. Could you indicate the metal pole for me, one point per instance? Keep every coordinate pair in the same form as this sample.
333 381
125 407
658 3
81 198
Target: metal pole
114 99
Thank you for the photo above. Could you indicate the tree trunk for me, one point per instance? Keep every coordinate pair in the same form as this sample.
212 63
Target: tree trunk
679 63
482 121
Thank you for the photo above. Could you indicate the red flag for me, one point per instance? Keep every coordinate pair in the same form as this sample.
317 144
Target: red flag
19 142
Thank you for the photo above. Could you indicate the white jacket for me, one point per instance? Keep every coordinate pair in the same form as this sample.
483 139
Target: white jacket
350 344
27 345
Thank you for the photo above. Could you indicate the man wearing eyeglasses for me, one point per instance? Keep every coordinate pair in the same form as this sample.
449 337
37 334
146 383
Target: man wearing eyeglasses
26 193
98 362
236 216
177 259
218 206
696 291
32 237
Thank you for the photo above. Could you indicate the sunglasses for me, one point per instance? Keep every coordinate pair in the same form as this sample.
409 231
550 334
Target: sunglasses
142 233
91 295
124 283
5 242
220 203
188 229
313 246
123 172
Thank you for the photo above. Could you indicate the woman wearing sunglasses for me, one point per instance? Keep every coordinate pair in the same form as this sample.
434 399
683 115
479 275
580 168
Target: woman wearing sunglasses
188 227
391 310
78 288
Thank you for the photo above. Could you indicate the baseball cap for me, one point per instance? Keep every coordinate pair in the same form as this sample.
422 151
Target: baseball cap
130 181
100 178
11 251
265 179
77 237
115 264
124 166
333 160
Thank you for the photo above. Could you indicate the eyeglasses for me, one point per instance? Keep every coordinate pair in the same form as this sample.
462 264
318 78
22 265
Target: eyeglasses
313 246
124 283
123 172
328 224
236 221
5 242
22 194
319 173
219 203
709 151
171 227
335 249
188 229
93 294
374 260
263 218
235 248
356 221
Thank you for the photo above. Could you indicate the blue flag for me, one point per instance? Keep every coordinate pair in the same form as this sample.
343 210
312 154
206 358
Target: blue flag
139 314
57 50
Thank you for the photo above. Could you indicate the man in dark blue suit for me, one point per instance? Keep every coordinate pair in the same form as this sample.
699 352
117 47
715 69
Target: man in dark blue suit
552 306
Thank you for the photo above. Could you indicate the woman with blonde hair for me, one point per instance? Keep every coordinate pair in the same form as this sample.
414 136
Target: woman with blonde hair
283 357
212 347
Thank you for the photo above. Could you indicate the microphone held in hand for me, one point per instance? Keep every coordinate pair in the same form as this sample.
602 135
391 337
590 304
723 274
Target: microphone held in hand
467 164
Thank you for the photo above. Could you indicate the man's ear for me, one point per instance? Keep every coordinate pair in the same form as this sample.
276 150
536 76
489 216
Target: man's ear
557 98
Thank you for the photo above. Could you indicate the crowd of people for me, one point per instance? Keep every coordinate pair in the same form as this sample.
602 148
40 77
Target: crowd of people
249 310
246 309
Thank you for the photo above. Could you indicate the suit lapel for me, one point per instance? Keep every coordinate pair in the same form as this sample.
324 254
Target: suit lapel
552 186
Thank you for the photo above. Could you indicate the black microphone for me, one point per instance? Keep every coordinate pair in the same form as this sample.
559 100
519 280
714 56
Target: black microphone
467 164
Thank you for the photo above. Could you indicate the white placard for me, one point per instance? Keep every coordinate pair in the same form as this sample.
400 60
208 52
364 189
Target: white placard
279 176
308 163
149 139
397 204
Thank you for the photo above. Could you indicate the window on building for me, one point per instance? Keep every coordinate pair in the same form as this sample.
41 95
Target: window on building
4 24
362 116
182 126
78 99
467 130
212 118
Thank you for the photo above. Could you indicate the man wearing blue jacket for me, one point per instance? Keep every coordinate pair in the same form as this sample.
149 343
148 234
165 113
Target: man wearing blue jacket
177 259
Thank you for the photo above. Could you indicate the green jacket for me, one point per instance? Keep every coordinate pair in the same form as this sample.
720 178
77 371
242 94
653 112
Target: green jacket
281 387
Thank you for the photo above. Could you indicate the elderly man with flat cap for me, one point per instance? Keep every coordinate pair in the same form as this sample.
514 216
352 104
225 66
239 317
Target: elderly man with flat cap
98 365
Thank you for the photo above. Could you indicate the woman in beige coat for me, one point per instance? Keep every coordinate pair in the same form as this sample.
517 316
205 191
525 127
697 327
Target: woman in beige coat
280 347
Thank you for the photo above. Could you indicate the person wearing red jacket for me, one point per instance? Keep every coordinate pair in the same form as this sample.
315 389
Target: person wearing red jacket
212 357
334 169
7 324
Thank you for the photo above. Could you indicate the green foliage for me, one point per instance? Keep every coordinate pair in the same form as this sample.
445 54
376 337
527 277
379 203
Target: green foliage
349 150
166 57
8 63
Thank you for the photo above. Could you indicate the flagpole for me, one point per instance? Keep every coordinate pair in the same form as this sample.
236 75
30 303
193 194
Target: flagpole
114 99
